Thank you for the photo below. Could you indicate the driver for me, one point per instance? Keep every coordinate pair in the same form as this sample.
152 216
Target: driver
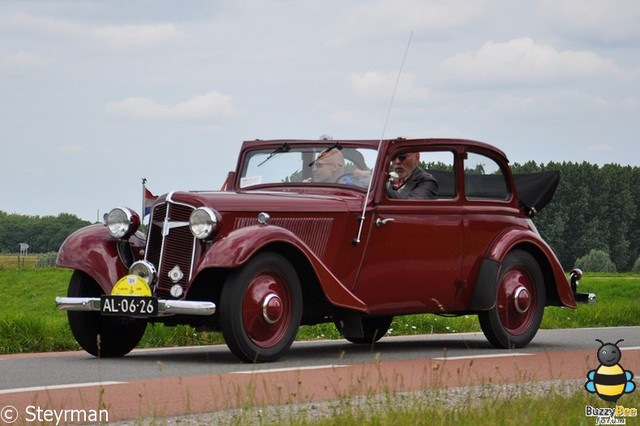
329 167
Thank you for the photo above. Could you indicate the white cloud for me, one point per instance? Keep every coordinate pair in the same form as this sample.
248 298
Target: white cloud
71 149
380 85
524 61
605 20
211 104
425 17
21 59
32 23
135 36
553 104
121 37
344 117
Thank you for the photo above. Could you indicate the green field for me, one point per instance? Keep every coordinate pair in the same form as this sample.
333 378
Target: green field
31 323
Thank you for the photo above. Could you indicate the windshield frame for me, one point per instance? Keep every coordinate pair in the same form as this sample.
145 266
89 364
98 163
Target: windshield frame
269 158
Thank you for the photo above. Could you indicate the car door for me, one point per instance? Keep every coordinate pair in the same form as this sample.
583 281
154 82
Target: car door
412 260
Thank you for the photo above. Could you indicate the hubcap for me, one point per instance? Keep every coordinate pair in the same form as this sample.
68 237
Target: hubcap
521 300
516 301
271 308
266 309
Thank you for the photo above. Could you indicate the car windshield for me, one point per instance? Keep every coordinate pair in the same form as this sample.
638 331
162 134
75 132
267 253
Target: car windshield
328 163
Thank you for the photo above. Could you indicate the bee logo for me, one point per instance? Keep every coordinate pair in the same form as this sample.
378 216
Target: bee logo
609 381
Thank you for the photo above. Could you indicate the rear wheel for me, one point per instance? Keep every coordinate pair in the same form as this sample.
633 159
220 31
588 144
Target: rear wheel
101 336
520 299
260 308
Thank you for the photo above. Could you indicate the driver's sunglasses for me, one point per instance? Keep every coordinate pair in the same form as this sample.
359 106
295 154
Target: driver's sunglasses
401 157
317 164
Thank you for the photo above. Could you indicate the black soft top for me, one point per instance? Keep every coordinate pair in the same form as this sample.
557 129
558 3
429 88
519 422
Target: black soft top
536 190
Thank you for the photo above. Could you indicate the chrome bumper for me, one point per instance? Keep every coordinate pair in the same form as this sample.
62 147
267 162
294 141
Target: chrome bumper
165 307
588 298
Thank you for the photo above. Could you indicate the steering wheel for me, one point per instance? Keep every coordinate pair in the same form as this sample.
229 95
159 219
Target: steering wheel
342 176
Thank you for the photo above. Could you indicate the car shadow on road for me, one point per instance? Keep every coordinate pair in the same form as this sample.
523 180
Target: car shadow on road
304 353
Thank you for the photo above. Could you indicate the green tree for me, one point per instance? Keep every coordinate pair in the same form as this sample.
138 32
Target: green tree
43 234
596 261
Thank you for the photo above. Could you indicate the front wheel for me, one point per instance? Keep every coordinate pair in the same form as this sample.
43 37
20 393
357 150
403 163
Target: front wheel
520 299
101 336
260 308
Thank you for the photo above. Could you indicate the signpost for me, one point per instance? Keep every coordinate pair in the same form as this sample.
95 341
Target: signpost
24 248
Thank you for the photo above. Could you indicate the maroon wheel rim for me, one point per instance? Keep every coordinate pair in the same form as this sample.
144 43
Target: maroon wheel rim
266 309
517 301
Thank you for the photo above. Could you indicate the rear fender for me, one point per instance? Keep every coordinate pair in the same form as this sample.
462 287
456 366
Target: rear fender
555 279
94 251
242 244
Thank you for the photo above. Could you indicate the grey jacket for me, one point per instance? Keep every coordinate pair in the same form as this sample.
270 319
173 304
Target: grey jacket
419 185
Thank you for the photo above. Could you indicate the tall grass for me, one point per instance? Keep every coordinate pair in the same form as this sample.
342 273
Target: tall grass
14 260
479 408
31 323
543 403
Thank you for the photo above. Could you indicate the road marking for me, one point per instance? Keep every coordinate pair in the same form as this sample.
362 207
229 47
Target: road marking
449 358
52 387
279 370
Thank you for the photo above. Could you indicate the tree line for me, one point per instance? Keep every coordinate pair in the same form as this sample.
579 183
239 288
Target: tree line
594 208
43 234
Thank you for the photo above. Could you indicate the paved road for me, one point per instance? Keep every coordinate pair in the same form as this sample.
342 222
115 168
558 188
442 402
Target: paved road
210 378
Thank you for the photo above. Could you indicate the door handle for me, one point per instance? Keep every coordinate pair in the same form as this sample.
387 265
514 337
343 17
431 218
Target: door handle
380 221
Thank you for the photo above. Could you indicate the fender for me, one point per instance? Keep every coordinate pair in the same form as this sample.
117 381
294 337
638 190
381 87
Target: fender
239 246
505 242
93 251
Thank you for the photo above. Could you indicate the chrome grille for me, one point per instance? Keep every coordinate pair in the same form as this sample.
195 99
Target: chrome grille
177 248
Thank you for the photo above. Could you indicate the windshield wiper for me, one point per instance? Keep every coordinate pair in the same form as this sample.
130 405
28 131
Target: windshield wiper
323 153
282 148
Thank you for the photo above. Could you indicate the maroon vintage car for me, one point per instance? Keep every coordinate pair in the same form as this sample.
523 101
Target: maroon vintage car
283 245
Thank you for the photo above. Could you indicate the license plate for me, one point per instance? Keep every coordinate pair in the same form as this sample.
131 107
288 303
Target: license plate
129 305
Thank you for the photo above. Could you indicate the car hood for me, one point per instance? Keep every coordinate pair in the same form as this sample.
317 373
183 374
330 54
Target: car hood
269 201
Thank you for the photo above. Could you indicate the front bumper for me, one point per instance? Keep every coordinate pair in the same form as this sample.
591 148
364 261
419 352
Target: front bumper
165 307
588 298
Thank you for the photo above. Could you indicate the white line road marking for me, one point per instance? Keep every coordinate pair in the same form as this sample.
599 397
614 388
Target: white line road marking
279 370
52 387
450 358
630 348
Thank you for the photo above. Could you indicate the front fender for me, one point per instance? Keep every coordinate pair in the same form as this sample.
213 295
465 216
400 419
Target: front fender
240 245
531 241
94 251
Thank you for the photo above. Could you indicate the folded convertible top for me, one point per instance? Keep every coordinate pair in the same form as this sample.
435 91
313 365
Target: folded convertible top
536 190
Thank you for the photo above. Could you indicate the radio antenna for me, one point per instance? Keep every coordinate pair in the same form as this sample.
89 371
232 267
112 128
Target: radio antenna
356 240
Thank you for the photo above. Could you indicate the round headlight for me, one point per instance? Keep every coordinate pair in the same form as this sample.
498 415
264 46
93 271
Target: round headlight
203 222
144 270
122 222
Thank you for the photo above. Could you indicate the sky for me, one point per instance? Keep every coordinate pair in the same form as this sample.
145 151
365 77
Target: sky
97 95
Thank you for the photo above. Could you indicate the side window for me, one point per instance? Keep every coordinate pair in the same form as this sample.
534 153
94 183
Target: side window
421 174
484 179
439 164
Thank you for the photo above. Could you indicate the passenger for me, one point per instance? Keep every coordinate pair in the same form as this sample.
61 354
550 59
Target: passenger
411 181
329 167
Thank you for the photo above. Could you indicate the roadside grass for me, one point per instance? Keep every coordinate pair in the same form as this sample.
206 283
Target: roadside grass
31 323
544 403
479 408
